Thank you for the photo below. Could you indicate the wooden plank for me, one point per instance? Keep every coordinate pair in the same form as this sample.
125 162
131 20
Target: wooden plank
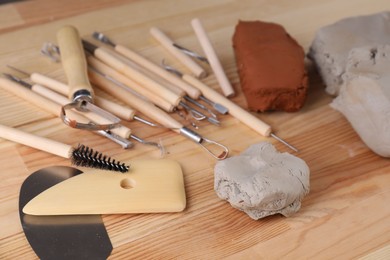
345 215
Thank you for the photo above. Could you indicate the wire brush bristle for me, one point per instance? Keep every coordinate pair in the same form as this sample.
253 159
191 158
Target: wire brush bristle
87 157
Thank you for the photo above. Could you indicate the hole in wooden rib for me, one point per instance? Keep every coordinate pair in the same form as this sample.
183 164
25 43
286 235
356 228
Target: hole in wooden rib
127 183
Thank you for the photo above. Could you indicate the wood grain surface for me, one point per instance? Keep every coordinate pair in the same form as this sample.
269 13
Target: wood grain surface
345 216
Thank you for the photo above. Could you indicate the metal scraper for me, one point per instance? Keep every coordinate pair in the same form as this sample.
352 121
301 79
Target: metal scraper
61 237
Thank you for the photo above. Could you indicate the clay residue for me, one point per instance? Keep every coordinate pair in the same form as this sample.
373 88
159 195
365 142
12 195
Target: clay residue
332 44
262 181
270 66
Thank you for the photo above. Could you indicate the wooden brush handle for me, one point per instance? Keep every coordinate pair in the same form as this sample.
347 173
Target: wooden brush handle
73 62
166 42
137 76
135 102
234 110
37 142
215 64
123 112
147 64
103 68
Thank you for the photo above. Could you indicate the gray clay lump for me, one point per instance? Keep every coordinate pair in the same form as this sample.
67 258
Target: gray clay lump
262 182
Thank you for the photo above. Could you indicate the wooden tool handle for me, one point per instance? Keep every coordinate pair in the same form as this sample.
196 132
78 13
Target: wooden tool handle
135 102
123 112
73 61
215 64
142 79
234 110
31 97
103 68
53 84
142 61
121 131
37 142
166 42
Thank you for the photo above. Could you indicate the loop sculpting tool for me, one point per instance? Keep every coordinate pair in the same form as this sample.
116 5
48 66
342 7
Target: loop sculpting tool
119 134
216 149
80 92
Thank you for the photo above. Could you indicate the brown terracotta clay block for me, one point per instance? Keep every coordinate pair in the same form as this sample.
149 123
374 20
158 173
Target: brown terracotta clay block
270 66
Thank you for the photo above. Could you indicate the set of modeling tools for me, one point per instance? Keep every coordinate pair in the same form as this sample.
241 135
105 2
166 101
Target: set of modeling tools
145 87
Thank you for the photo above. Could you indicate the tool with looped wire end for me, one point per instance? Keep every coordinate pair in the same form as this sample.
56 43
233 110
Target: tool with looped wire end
80 90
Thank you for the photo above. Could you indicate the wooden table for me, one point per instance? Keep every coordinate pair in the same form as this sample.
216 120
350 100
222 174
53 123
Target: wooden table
347 213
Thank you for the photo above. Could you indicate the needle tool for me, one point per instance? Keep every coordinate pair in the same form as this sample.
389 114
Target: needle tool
190 93
80 156
125 113
170 93
80 90
214 148
234 110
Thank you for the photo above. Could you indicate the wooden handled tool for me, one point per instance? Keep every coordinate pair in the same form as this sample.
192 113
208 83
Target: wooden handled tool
81 156
212 57
46 103
134 101
235 110
137 58
121 130
37 142
123 112
80 90
153 86
217 150
166 42
74 64
131 84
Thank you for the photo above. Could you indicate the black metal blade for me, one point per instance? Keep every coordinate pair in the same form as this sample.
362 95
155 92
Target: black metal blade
61 237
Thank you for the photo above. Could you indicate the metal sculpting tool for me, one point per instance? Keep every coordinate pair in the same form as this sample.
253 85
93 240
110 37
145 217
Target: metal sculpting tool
168 44
191 93
234 110
119 134
214 148
170 94
121 111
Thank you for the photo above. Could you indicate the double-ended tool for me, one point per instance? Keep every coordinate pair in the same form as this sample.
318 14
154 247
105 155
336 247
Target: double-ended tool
234 110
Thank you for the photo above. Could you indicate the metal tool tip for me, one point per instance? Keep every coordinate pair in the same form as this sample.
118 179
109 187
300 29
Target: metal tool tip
284 142
101 37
